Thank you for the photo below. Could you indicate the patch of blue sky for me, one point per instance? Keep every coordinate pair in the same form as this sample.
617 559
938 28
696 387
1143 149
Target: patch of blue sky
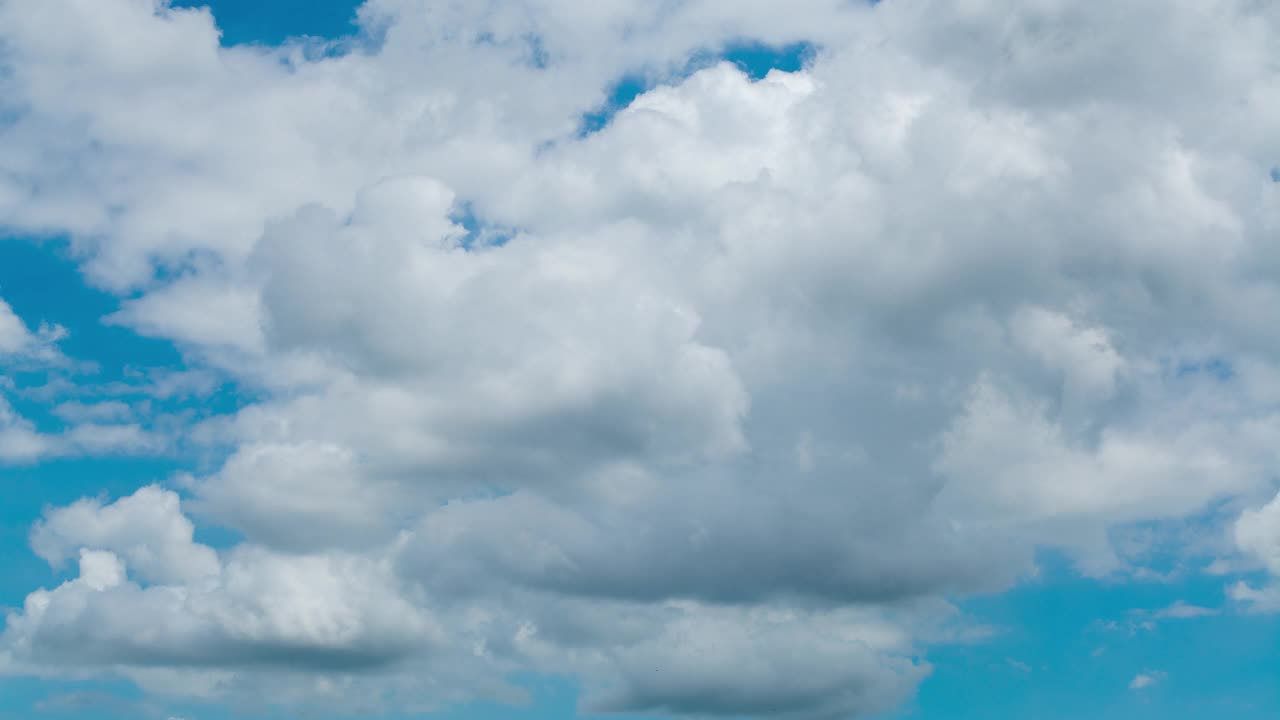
29 489
272 22
40 280
756 59
1218 368
80 700
1068 647
619 96
479 233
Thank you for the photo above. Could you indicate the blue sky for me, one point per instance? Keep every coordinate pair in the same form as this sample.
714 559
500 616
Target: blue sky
1061 644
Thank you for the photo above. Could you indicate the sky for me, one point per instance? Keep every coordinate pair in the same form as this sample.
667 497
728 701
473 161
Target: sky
529 359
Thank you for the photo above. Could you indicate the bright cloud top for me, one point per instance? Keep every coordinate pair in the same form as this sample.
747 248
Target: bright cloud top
715 409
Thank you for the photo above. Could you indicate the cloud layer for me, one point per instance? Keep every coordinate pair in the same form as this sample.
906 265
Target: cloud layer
713 408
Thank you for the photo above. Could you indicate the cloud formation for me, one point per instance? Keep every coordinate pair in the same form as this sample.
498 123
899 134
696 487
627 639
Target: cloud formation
710 408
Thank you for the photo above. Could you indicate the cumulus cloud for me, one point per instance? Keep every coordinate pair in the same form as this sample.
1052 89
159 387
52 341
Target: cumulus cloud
1257 534
708 407
298 496
795 665
148 595
146 529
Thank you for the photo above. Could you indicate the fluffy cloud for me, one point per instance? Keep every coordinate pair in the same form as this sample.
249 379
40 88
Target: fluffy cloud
146 529
1257 534
149 599
148 595
735 387
298 496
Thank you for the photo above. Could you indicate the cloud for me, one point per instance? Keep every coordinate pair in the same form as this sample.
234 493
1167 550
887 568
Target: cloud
148 595
14 335
147 529
18 343
298 497
197 312
702 666
1257 534
92 429
75 411
193 611
1017 665
324 612
1146 679
737 387
1264 599
1183 611
21 442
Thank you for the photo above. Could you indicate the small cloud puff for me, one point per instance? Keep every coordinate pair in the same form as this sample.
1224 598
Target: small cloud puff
1146 679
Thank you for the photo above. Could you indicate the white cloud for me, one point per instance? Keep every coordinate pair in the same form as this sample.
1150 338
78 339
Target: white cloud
1018 665
1181 610
298 496
756 365
18 342
1084 356
147 529
258 608
1265 599
1146 679
14 335
337 615
199 312
1257 531
1257 534
77 412
1009 463
21 442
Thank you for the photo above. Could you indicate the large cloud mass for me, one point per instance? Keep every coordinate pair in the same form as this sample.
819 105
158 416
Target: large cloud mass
710 408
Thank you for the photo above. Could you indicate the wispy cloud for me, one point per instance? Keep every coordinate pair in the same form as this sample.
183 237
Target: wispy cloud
1146 679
